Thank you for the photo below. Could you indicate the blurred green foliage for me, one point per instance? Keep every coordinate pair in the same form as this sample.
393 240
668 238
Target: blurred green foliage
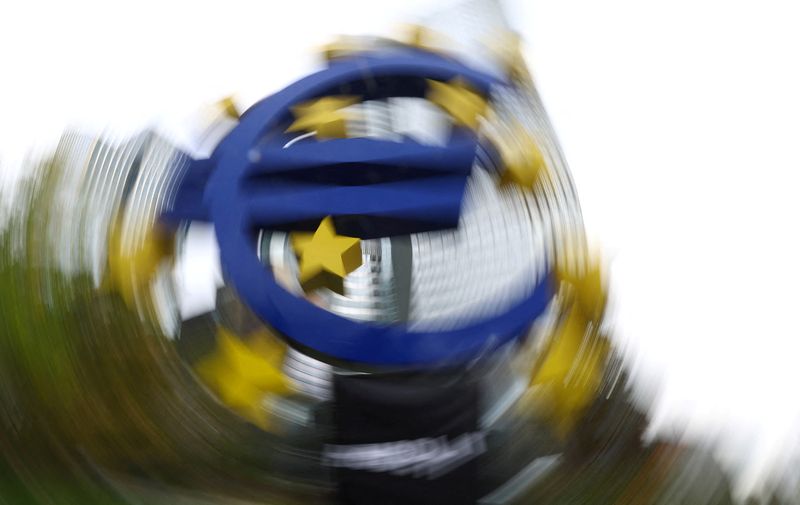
93 398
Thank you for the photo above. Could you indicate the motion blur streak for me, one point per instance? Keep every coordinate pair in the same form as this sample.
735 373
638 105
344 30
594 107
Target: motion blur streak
418 319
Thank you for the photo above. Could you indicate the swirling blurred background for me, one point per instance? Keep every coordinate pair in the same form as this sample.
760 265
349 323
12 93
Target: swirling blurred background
679 124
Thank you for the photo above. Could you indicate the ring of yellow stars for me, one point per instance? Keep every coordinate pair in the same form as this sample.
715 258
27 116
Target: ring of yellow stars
325 257
459 100
326 116
523 161
243 373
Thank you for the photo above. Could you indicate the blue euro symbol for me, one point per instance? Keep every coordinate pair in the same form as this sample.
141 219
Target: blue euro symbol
372 188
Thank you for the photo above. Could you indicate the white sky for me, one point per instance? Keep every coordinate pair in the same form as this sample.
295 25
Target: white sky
679 120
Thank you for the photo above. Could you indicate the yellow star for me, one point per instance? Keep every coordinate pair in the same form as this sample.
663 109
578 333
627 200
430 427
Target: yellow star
570 371
459 100
228 107
242 374
325 257
523 161
130 271
345 45
587 287
416 35
421 37
323 115
507 48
